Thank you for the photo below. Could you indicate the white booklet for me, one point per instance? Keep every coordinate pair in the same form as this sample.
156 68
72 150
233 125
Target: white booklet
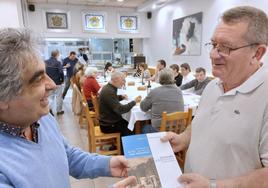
152 161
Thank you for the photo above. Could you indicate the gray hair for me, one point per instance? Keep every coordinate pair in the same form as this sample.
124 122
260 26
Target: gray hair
17 48
257 22
90 71
117 74
166 76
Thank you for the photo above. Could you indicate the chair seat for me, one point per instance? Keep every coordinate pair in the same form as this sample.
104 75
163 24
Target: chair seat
98 133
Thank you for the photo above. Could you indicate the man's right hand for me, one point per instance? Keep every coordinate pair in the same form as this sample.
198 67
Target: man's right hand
178 141
138 99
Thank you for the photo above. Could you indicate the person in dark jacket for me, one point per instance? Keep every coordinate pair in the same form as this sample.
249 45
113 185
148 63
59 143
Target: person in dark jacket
55 71
177 75
69 63
111 109
199 83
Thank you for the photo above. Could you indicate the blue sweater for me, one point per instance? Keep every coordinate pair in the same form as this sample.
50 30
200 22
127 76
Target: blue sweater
48 163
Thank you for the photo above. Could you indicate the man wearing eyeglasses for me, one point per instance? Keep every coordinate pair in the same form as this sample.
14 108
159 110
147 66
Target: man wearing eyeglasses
228 140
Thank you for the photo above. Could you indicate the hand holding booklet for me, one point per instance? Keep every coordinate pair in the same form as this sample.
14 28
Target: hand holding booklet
152 161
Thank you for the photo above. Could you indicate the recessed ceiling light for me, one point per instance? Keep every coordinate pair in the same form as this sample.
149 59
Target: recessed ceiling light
120 0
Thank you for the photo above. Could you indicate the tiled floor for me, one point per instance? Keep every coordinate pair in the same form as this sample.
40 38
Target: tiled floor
78 137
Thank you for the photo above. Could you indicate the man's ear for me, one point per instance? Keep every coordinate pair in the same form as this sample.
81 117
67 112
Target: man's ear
3 105
260 52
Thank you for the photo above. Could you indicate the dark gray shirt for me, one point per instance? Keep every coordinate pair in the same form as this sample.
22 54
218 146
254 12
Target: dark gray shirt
198 86
110 106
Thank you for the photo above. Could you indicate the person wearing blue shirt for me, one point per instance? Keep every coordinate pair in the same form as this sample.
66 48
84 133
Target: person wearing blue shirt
33 151
69 63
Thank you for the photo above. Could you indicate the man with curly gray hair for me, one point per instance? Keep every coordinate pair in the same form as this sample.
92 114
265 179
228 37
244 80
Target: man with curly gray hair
33 151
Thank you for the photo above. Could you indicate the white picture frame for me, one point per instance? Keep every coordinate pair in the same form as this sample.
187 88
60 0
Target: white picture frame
94 21
128 23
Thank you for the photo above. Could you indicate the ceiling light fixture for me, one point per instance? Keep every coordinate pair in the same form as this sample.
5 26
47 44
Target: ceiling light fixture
120 0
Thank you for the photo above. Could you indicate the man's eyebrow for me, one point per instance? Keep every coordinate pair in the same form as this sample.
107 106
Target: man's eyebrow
36 75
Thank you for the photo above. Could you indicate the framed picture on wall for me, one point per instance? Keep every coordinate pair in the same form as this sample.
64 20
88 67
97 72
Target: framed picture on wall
128 23
187 35
94 21
57 20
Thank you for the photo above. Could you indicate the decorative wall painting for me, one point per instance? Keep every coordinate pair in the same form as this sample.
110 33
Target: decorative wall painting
57 20
94 22
187 35
128 23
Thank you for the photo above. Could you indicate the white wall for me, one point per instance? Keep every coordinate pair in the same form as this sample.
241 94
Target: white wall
10 13
37 22
159 46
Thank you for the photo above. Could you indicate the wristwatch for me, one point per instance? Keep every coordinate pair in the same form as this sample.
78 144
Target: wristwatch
213 183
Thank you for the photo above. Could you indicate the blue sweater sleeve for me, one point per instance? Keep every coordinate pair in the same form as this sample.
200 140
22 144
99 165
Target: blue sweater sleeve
86 165
4 183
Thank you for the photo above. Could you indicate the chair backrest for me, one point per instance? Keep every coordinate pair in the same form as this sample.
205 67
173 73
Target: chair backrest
91 130
96 105
76 100
176 121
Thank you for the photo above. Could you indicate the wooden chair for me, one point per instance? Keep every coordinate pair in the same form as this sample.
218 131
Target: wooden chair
96 105
82 116
98 139
177 122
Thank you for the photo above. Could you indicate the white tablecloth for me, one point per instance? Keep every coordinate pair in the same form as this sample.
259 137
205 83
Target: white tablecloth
136 114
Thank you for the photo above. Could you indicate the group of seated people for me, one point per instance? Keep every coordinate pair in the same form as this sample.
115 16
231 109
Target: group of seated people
170 79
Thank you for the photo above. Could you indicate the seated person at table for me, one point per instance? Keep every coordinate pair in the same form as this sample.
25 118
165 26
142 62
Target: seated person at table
161 64
108 69
90 85
138 72
167 97
111 109
177 75
145 73
199 83
186 73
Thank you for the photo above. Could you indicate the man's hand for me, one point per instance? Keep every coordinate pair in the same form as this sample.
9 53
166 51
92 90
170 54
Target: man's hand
178 142
138 99
118 166
125 97
67 65
129 181
194 181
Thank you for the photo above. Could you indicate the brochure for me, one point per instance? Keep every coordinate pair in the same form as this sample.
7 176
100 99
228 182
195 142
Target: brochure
152 161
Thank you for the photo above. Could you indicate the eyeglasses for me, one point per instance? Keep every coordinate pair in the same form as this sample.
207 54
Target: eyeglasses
224 50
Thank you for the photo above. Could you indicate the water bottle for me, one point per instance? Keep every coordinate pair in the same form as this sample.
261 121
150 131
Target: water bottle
149 86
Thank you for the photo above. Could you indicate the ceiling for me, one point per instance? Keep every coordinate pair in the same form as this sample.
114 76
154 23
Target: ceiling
113 3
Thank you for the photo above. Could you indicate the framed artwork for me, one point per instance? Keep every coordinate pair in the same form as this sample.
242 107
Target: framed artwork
187 34
128 23
94 22
57 20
